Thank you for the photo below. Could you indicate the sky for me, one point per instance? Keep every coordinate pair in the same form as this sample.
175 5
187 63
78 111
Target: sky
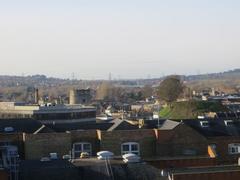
127 38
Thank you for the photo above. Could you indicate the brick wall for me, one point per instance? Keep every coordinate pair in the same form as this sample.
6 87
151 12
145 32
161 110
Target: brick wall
175 142
40 145
89 136
222 148
112 140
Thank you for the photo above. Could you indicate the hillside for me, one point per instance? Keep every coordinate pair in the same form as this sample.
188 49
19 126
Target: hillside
229 77
228 82
21 88
190 109
232 74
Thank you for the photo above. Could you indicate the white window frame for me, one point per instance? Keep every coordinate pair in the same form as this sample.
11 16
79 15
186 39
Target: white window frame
234 148
82 149
204 124
129 144
228 122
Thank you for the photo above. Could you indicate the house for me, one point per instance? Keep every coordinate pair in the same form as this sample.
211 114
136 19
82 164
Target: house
175 139
221 134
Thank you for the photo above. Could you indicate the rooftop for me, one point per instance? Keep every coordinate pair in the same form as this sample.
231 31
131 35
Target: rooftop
215 127
12 106
198 170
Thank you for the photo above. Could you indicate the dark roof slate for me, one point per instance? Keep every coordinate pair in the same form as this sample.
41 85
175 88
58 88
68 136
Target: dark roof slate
23 125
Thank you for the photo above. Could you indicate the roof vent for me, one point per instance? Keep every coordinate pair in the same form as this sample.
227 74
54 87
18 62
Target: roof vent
131 158
103 155
8 129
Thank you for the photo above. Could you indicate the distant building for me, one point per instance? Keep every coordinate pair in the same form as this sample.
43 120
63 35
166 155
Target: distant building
80 96
48 113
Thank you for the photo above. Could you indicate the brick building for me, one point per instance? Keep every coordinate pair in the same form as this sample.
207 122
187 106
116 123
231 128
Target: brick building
119 142
141 142
174 139
40 145
75 142
171 140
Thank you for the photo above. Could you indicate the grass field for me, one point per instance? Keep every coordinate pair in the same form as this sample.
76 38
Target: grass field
190 109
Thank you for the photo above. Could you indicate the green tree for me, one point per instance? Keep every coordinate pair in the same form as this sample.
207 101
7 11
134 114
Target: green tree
170 89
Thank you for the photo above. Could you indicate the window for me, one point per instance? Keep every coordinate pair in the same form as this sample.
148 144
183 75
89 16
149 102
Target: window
234 148
212 150
78 148
130 147
204 123
228 122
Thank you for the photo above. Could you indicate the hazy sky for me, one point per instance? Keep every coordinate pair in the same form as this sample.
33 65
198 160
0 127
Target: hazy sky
129 38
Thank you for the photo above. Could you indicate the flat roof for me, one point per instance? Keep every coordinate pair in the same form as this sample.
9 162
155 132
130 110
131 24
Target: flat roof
95 162
11 107
176 158
204 170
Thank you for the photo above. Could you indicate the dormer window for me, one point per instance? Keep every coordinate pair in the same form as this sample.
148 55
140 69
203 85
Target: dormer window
234 148
228 122
204 124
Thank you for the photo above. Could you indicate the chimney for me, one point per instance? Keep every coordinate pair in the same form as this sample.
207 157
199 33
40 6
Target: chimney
36 96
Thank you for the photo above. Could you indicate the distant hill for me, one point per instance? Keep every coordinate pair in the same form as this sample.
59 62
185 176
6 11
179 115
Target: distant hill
224 81
228 82
232 74
35 80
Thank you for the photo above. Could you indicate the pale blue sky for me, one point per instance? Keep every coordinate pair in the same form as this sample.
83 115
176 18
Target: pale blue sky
129 38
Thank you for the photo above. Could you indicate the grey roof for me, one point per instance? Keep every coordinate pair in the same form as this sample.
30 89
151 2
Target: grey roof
169 125
163 124
23 125
62 127
116 123
216 127
34 126
119 124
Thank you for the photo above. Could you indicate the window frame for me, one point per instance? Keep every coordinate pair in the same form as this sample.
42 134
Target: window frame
130 144
204 124
74 151
234 148
229 122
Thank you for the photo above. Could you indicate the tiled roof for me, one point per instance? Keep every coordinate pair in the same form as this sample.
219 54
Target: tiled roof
168 125
119 124
215 127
